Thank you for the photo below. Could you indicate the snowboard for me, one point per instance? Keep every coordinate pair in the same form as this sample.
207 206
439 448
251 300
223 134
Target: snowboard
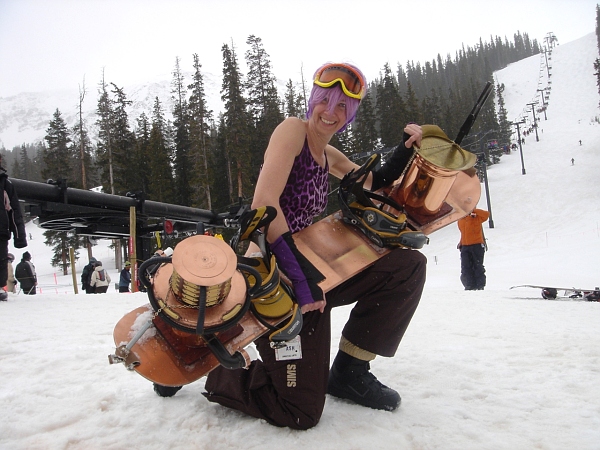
156 341
169 356
551 293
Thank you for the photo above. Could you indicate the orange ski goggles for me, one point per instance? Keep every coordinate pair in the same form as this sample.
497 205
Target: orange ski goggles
353 84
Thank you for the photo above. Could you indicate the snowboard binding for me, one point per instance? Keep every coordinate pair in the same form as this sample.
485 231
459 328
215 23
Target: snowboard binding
381 226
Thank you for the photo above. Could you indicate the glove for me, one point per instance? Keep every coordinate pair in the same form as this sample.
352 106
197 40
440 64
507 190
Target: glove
394 166
303 275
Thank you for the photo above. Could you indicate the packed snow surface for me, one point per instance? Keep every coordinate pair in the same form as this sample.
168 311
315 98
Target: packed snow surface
492 369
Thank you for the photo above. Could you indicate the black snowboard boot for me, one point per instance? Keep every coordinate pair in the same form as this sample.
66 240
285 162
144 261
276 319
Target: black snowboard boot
350 378
166 391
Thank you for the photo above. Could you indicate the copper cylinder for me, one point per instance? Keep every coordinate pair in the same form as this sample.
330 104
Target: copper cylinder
424 187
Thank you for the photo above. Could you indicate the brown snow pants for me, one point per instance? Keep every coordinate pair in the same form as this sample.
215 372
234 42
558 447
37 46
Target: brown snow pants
292 393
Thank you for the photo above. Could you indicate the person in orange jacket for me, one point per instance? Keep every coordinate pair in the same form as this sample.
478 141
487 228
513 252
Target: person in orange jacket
472 248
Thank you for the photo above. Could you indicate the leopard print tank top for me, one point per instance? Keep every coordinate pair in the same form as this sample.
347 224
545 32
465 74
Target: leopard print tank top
305 193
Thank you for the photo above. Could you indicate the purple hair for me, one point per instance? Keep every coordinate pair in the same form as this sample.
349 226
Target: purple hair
334 95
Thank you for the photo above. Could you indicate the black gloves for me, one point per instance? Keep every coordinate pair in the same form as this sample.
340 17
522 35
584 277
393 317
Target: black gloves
393 167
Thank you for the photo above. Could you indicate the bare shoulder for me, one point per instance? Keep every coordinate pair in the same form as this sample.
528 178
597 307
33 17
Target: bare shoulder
288 136
291 125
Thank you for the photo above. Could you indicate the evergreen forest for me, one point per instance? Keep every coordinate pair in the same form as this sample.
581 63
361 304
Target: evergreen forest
190 156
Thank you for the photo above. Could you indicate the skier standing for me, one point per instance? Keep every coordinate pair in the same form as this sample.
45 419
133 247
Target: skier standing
100 279
86 275
125 278
472 248
25 274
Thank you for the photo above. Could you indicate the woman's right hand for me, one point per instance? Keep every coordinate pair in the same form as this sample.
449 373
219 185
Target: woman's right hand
415 133
319 305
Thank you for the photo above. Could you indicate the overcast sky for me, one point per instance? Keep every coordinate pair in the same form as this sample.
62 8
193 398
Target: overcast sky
54 44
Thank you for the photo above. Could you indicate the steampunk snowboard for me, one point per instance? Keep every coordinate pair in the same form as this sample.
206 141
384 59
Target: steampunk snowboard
207 303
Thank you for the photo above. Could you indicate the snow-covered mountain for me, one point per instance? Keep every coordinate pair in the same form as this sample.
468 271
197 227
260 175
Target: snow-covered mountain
24 117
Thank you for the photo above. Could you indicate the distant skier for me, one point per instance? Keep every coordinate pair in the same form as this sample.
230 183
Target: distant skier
572 161
86 275
100 279
25 274
125 278
472 248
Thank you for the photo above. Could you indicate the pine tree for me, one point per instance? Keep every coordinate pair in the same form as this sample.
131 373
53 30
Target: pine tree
37 162
122 142
58 156
15 169
413 111
391 111
431 108
263 100
505 127
82 176
236 127
292 106
61 242
104 145
82 144
24 163
142 152
220 175
260 82
160 180
200 118
182 163
364 130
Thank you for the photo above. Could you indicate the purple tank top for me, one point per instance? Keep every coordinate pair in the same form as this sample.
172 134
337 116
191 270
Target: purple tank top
305 193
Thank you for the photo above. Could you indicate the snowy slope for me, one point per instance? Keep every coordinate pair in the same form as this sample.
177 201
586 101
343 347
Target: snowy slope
493 369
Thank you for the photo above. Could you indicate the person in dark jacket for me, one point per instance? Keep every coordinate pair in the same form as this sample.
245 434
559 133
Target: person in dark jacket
125 278
86 276
25 274
11 223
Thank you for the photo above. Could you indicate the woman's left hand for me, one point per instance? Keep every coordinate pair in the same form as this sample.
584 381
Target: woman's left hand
320 305
416 134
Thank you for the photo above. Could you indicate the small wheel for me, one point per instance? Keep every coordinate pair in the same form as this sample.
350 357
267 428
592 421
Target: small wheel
166 391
